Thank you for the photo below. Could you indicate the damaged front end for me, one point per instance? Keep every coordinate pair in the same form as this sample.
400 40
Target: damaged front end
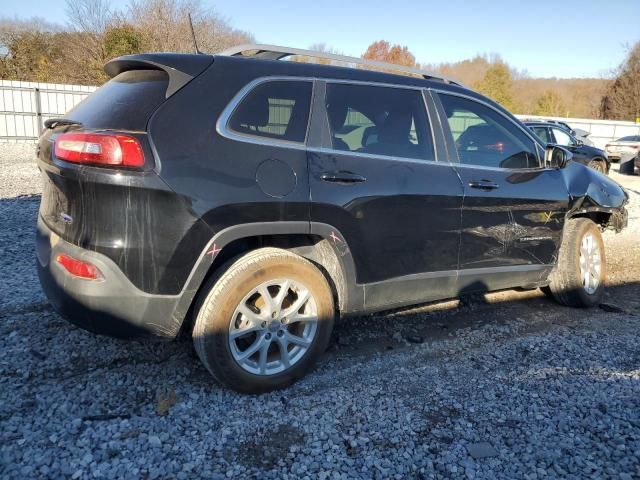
595 196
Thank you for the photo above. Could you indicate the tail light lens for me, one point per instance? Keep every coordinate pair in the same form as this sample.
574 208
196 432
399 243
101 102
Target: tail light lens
78 268
99 149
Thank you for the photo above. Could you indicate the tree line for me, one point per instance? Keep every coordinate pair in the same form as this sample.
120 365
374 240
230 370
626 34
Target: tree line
36 50
518 92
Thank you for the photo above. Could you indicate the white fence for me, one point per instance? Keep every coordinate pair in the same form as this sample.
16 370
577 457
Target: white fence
24 106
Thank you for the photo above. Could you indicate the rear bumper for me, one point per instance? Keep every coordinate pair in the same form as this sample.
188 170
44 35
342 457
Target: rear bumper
110 306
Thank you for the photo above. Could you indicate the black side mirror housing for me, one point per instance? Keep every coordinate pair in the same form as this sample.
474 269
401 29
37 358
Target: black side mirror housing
556 156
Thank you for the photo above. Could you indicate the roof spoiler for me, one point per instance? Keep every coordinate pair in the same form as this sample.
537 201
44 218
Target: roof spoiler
181 68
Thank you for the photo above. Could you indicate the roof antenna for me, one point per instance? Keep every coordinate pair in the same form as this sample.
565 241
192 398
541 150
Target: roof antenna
193 35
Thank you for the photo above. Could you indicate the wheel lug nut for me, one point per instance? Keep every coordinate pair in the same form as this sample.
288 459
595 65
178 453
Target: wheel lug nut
284 320
264 324
280 333
268 336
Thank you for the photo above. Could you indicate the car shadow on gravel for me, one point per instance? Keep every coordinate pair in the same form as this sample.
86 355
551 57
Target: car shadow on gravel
429 323
360 337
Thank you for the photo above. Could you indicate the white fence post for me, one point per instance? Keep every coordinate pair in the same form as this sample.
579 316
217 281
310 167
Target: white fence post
38 110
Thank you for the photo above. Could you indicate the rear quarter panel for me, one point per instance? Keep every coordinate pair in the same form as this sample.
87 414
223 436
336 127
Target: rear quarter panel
132 217
216 175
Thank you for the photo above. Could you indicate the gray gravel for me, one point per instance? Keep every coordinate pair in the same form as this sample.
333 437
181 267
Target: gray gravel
509 386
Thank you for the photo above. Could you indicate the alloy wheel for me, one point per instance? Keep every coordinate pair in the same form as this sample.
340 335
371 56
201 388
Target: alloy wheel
273 327
590 263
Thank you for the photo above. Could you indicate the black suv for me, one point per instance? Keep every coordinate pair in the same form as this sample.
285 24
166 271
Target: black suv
248 202
552 133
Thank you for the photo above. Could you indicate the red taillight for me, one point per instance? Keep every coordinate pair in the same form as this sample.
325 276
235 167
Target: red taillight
100 149
78 268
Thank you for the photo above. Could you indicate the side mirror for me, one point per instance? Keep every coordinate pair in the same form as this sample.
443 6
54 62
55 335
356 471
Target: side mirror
578 142
556 157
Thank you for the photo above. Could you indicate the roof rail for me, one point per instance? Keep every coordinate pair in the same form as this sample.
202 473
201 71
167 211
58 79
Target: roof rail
274 52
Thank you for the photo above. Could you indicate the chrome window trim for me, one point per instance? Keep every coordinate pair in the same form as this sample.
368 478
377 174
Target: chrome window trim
536 142
222 125
332 151
371 83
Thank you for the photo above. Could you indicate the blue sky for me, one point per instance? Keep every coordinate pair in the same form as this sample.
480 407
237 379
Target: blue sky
563 38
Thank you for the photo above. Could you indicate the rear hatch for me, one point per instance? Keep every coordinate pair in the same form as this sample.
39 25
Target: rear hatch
101 188
124 105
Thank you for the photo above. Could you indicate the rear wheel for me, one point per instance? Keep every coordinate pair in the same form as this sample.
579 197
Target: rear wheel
578 279
264 323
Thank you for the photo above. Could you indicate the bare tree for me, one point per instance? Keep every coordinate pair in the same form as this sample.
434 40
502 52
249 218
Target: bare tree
89 15
165 27
88 20
622 100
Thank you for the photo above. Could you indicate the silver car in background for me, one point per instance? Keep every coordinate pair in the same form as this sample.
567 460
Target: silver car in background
623 146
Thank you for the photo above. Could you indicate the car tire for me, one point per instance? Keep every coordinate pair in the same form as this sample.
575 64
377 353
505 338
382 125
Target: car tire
255 344
578 279
598 165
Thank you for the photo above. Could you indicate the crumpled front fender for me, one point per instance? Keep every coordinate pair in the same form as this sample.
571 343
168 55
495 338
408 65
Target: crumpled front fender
592 192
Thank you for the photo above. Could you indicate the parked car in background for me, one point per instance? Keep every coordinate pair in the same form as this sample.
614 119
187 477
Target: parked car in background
624 145
239 200
576 132
563 125
553 134
584 136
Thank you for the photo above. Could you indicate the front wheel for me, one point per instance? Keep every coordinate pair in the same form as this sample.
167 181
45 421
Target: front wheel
578 279
263 324
599 166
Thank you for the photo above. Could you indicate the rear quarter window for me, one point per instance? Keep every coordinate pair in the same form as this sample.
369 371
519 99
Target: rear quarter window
276 110
126 102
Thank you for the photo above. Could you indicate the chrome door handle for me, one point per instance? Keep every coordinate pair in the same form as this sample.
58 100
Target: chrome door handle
342 177
483 185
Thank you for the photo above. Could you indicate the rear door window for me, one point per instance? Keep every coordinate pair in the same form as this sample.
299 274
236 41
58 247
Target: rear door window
378 120
276 109
126 102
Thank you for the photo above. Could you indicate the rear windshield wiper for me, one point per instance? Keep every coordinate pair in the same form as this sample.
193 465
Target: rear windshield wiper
54 122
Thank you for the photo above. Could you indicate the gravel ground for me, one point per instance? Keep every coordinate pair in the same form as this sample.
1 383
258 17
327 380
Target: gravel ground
506 386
